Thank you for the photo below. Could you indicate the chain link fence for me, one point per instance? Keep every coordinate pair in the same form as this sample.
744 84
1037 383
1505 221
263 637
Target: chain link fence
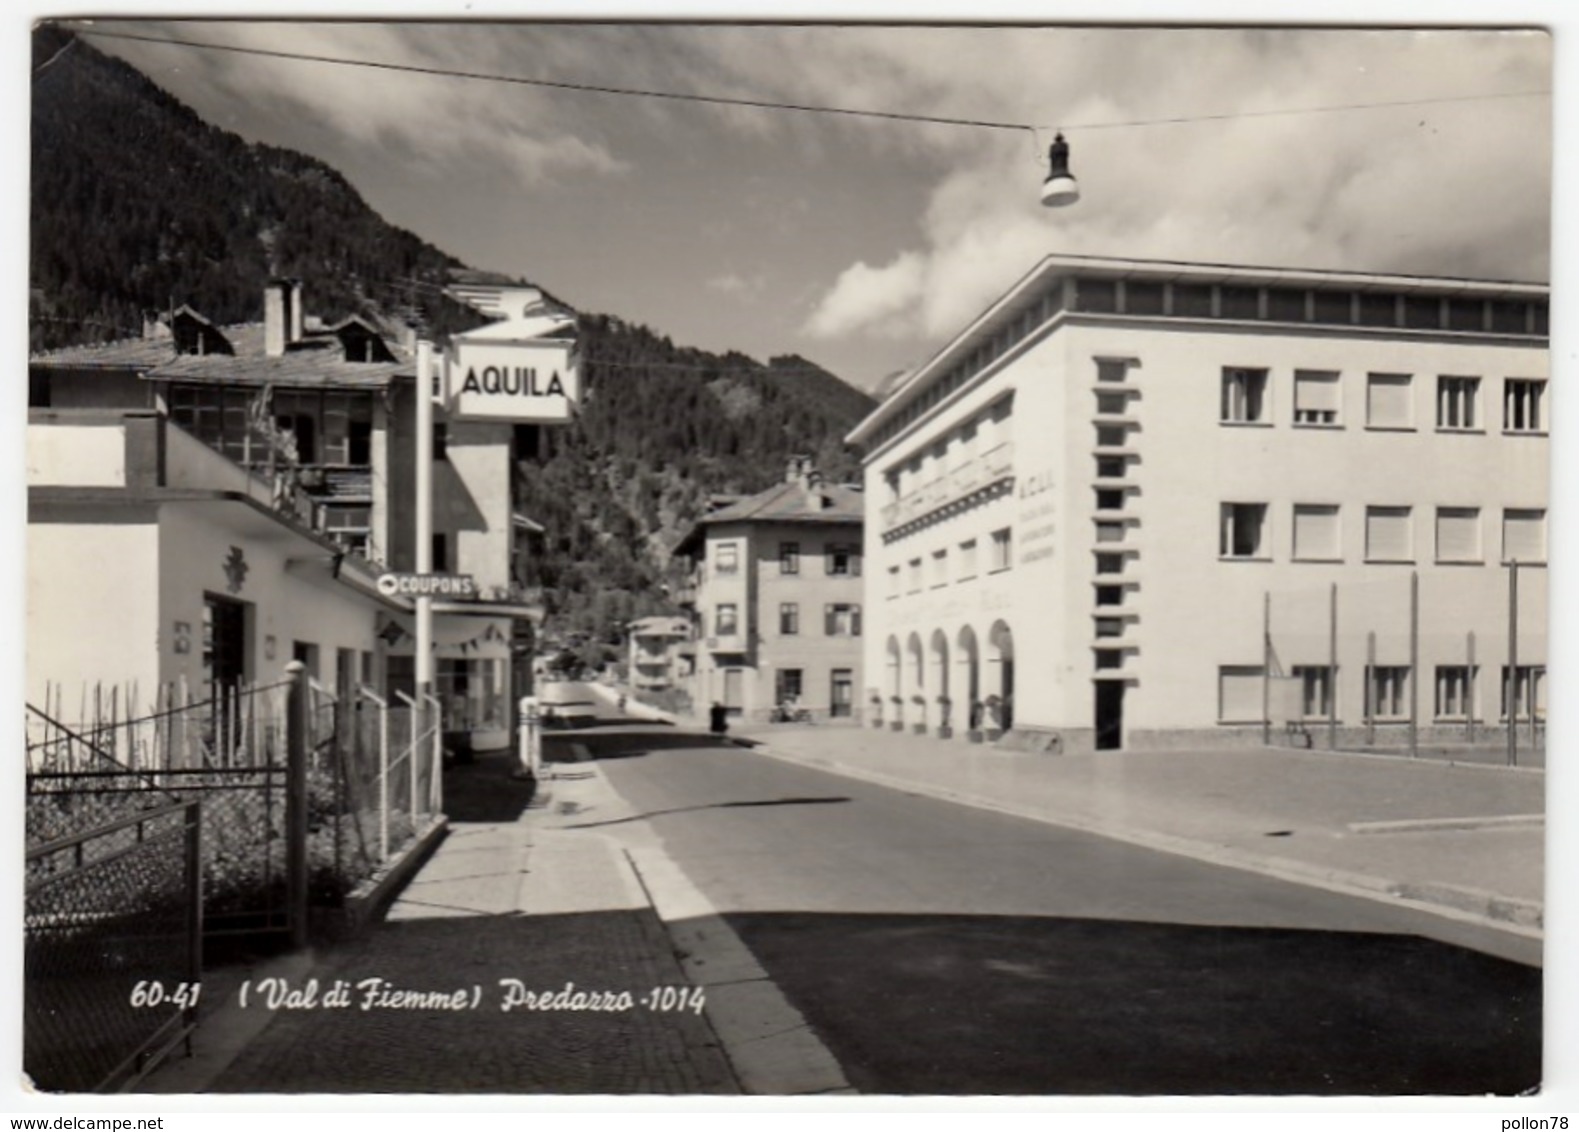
113 949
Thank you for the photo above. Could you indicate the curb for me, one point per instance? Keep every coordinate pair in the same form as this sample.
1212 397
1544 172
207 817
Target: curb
1519 917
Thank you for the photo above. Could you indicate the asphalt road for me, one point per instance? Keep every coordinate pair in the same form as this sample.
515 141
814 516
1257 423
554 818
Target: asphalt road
940 949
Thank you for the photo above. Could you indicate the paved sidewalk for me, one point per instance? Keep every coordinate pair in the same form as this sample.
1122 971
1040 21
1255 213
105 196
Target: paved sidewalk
509 895
1461 839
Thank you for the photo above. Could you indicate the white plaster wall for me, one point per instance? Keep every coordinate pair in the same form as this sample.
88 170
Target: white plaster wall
282 605
1199 612
76 455
92 606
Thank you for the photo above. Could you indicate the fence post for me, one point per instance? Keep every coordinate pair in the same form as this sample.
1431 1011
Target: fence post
194 913
1266 669
1510 691
436 763
1414 663
1332 671
298 708
1470 684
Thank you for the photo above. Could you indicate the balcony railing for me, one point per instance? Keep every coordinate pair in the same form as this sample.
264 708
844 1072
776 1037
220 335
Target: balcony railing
976 473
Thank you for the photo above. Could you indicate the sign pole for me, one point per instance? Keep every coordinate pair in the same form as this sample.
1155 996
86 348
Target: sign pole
424 548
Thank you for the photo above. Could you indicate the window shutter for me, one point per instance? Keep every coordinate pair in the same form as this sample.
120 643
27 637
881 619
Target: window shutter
1387 535
1316 391
1315 531
1458 534
1239 694
827 559
1524 536
855 620
1388 397
855 561
827 621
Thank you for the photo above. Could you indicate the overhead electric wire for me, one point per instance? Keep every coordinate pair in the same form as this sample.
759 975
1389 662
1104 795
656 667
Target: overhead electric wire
767 104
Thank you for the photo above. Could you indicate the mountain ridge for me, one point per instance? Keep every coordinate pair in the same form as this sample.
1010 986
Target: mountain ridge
139 205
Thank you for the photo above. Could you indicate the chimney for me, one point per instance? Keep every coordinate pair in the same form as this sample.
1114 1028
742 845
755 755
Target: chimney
276 317
295 334
797 469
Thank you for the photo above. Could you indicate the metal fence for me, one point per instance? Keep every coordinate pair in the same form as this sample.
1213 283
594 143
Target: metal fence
113 949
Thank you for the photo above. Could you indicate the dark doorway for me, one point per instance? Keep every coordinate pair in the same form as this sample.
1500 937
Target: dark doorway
224 671
1109 715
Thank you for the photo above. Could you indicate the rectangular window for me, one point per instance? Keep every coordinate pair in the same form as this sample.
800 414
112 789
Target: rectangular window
1523 536
1388 535
1458 534
1285 306
1109 658
1389 400
1112 436
915 575
1456 399
1112 404
1529 692
786 685
1192 300
726 558
1110 626
939 568
1422 313
895 584
1315 690
440 549
1142 298
842 620
1244 398
349 524
1112 467
1109 564
842 561
1001 549
789 558
726 621
1239 302
1466 314
1455 691
789 618
1242 530
1335 307
1378 310
1110 532
967 559
1316 533
1389 686
1110 499
1523 405
1239 690
1315 397
1110 595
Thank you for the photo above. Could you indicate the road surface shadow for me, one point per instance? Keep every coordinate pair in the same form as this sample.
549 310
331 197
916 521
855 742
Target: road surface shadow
558 746
1009 1005
711 806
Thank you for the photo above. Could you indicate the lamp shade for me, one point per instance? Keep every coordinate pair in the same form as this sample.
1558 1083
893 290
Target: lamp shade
1060 188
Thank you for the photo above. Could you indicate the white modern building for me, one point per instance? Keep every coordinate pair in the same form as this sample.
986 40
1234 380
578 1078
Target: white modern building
1140 504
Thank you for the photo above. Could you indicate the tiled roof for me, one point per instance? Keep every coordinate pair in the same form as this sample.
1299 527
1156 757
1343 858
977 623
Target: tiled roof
317 360
791 503
784 503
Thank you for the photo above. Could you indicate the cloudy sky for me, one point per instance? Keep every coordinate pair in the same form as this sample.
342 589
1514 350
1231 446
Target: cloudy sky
863 243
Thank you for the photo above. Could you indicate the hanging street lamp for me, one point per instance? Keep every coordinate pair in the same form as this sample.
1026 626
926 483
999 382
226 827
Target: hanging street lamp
1060 187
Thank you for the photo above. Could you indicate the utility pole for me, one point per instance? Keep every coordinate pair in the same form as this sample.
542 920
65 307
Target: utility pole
424 548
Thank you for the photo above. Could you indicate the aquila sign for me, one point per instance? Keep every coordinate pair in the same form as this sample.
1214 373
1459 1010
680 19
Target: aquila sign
532 381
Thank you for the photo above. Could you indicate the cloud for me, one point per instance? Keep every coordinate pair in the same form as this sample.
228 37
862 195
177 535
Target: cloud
1458 188
872 299
431 120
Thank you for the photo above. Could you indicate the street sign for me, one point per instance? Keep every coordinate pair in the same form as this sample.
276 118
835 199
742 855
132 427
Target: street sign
427 585
529 381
